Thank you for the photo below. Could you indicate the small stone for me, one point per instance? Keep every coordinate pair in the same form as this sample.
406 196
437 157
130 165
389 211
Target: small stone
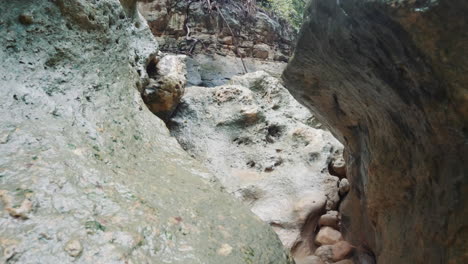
9 252
341 250
338 166
73 248
250 115
25 19
325 253
311 205
344 186
309 260
329 219
4 138
22 211
328 236
224 250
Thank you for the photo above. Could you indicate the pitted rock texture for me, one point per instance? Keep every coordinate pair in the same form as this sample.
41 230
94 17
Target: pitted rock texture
196 27
389 79
266 149
215 70
102 179
166 84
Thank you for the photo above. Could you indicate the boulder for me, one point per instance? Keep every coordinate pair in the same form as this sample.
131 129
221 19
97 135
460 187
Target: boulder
261 51
341 250
166 84
325 253
310 206
330 219
389 79
328 236
344 187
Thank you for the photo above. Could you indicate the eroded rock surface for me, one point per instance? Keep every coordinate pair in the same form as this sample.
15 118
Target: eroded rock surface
166 84
224 27
103 180
389 79
216 36
266 149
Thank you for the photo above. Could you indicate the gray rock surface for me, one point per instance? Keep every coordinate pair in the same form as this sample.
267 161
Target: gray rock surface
102 179
389 79
265 148
215 70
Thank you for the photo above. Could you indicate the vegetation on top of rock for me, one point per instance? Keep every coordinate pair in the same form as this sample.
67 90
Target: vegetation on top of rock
290 10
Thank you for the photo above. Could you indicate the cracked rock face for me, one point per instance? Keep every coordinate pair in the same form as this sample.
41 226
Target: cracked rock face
389 79
266 149
87 173
195 27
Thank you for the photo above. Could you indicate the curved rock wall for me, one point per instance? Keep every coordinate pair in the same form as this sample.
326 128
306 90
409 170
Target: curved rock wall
389 79
87 173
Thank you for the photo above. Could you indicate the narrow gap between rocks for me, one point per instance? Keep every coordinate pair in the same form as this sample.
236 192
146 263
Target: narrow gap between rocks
260 144
265 149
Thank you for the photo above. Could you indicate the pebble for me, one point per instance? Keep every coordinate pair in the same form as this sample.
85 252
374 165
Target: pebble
224 250
25 19
73 248
22 211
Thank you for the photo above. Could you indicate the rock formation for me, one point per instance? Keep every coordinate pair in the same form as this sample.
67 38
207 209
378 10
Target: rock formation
87 173
224 27
389 79
165 86
267 150
217 36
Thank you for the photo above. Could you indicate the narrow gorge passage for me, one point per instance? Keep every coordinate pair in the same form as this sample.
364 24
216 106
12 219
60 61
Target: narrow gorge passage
265 149
131 133
260 144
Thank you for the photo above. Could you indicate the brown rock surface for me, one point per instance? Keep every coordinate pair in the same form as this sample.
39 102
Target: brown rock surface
390 81
166 84
329 219
328 236
309 260
341 250
325 253
195 28
345 261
